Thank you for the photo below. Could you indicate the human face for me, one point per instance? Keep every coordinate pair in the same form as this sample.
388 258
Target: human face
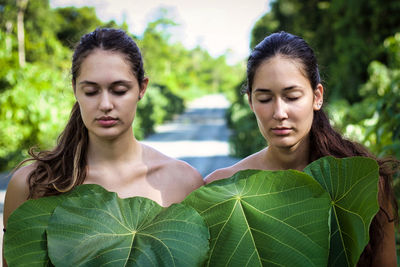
107 92
283 102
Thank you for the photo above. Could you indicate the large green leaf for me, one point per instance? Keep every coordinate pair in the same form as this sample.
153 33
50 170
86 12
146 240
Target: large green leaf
353 186
259 218
104 230
25 239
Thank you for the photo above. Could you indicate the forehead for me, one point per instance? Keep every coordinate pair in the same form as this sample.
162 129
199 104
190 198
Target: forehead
98 55
280 71
101 64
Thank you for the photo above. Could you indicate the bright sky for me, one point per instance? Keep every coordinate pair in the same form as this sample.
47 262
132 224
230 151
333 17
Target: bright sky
216 25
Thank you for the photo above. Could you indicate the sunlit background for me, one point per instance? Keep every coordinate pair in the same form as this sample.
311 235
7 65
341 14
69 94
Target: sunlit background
196 50
220 27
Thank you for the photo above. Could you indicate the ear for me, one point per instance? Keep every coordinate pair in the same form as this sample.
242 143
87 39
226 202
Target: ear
249 100
143 87
318 97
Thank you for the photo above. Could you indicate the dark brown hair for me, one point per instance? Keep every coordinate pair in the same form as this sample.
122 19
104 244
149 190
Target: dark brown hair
61 169
324 140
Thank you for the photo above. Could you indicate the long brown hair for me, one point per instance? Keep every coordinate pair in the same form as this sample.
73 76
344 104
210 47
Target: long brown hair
65 166
324 140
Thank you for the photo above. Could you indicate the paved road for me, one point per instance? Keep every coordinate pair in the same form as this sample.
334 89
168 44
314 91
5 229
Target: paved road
199 136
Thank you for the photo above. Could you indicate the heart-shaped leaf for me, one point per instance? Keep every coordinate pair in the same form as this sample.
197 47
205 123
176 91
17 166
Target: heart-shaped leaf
353 186
102 229
259 218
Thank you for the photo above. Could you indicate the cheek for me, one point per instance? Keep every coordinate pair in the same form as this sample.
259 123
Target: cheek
302 109
262 111
130 109
85 108
83 113
304 117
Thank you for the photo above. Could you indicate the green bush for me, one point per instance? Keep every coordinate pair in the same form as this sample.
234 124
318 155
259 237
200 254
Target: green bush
33 111
375 121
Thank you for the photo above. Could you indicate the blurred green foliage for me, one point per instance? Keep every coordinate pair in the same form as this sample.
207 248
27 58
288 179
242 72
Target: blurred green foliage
188 73
375 121
33 111
36 99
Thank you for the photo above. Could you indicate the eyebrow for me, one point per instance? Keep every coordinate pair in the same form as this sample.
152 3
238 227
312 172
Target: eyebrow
265 90
112 84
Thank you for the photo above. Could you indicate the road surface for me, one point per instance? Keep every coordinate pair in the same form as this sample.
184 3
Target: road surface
199 136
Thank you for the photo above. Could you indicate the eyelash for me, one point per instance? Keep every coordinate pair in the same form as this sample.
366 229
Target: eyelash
119 93
288 98
90 93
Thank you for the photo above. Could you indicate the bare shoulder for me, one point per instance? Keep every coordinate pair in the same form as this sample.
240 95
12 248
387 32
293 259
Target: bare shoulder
185 173
220 174
228 171
250 162
171 168
17 190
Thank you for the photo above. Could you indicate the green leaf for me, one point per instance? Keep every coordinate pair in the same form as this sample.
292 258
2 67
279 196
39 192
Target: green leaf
353 187
259 218
102 229
25 238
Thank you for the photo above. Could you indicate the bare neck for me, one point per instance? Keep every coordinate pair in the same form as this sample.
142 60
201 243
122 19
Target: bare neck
296 158
125 148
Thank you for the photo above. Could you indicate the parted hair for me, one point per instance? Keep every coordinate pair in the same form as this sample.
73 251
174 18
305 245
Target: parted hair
65 166
324 139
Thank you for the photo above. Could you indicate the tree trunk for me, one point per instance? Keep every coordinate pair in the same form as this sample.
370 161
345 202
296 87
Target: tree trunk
21 31
9 26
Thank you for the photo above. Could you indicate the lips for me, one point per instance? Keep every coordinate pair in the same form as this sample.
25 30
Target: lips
107 121
281 130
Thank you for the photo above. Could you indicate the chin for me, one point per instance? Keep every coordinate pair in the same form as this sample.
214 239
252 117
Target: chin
283 144
107 134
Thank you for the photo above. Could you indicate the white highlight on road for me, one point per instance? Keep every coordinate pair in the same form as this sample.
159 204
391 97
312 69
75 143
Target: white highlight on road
181 149
210 101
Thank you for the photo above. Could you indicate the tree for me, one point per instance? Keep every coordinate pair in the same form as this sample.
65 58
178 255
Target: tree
21 4
73 22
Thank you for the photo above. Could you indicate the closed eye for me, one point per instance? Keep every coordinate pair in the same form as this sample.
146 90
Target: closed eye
264 100
119 92
92 93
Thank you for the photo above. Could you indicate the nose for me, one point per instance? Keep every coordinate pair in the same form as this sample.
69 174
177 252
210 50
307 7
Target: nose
280 112
105 102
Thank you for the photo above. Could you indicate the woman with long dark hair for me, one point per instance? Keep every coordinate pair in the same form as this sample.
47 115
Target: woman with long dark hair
98 145
285 93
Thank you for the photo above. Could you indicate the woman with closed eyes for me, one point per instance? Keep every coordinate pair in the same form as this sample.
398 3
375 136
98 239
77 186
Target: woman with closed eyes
98 145
286 95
